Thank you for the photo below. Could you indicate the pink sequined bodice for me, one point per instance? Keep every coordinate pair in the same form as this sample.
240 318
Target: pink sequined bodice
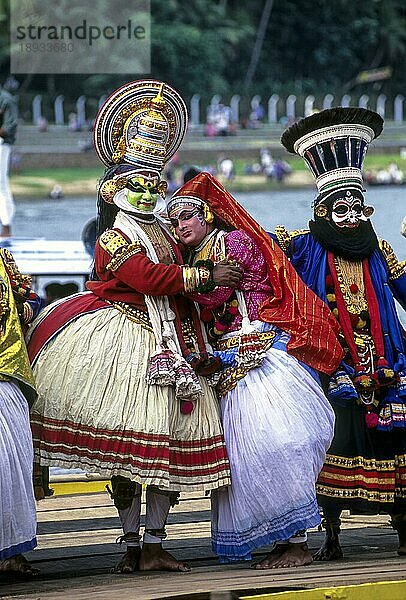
255 282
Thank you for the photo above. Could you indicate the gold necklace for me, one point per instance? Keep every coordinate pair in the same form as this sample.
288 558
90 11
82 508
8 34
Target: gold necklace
212 247
350 277
204 250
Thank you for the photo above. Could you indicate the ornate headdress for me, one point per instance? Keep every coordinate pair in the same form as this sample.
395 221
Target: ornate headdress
333 144
192 194
141 125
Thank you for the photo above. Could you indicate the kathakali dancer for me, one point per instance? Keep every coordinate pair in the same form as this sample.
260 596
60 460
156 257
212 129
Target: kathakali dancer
271 333
358 276
18 521
119 367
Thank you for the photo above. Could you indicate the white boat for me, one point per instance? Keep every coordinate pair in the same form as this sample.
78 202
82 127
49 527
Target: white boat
49 261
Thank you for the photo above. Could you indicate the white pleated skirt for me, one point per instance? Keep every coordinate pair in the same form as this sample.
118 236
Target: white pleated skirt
278 426
95 410
17 505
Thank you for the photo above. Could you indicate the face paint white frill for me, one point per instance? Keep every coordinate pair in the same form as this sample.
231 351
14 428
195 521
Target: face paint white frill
347 211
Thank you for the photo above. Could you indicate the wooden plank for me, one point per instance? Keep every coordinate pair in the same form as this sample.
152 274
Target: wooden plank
141 586
77 534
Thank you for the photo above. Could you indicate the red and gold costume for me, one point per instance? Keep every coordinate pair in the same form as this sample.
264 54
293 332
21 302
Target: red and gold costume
116 395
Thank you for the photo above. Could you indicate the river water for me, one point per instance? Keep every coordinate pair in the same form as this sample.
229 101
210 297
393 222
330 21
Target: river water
64 219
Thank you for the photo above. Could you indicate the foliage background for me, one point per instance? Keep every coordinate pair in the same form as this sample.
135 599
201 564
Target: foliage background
205 47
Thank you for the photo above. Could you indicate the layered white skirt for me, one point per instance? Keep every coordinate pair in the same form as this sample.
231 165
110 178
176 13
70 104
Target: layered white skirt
96 412
278 426
17 505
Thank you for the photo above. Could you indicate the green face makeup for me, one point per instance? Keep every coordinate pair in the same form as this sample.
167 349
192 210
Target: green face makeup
142 194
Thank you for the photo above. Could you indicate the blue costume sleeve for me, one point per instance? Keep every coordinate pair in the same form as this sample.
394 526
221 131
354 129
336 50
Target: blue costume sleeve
398 287
396 271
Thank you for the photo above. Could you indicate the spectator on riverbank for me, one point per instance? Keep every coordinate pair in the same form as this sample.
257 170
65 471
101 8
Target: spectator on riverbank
266 161
226 168
279 171
8 129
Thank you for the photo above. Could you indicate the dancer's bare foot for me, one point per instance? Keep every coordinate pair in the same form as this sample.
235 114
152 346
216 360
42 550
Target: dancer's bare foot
294 555
130 561
271 558
18 564
155 558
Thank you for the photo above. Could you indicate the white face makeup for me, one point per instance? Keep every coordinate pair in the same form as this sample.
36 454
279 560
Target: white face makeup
347 211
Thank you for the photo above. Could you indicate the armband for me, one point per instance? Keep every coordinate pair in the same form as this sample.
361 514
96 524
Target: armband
396 269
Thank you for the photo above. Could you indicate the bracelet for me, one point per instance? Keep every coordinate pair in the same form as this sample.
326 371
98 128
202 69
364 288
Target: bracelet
207 264
191 278
208 286
205 268
199 277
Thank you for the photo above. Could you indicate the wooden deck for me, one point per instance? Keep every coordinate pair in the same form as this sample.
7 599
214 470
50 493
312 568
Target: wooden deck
76 552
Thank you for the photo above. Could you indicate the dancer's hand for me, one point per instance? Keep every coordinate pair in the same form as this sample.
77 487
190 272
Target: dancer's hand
226 274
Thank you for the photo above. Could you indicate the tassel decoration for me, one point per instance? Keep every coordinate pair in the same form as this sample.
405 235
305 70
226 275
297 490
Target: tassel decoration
384 374
371 420
161 368
187 385
251 349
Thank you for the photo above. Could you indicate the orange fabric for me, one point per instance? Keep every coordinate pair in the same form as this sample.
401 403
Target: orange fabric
294 307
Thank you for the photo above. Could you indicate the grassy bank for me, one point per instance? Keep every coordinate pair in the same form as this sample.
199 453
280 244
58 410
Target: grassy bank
37 183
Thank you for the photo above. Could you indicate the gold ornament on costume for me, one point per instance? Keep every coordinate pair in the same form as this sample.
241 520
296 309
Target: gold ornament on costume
368 211
157 238
207 214
149 141
162 187
173 232
14 361
109 188
321 210
350 276
120 150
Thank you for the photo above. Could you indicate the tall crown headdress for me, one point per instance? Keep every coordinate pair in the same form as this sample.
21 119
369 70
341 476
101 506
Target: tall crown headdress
138 129
333 144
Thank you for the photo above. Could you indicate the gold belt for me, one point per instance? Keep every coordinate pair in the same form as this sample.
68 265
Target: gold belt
133 314
234 341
